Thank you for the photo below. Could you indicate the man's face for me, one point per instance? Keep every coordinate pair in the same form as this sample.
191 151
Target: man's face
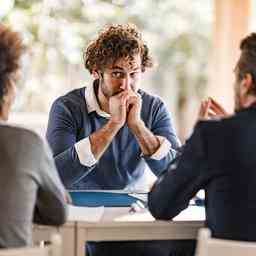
123 74
243 90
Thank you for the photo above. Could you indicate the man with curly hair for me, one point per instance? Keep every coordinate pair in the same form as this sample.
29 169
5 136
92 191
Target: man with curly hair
104 135
219 158
30 188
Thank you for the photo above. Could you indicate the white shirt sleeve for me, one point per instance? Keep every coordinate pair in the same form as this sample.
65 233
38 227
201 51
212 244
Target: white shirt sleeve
84 152
163 150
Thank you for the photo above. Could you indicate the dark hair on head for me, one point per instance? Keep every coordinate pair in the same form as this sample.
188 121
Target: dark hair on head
247 61
11 48
114 42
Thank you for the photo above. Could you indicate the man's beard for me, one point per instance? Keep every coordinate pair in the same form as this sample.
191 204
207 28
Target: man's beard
106 92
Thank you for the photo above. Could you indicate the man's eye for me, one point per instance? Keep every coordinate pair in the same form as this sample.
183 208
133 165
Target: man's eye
117 74
135 75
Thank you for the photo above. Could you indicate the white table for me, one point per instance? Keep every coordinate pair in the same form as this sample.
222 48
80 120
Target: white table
117 224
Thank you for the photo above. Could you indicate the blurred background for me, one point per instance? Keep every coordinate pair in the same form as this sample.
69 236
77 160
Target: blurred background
194 44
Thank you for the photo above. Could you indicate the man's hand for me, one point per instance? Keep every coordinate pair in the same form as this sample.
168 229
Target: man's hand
210 109
133 106
101 138
67 197
118 109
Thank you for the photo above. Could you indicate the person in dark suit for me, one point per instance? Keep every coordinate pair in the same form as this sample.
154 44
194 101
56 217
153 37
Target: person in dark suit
220 158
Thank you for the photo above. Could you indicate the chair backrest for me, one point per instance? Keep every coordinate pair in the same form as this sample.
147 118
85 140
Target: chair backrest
53 249
207 246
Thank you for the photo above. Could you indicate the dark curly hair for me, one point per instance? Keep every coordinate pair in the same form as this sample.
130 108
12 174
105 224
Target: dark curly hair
114 42
247 61
11 49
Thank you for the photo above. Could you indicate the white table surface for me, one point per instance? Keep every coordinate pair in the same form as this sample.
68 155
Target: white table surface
117 224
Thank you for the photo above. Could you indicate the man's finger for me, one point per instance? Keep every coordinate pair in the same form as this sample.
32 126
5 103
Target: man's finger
202 110
217 107
206 108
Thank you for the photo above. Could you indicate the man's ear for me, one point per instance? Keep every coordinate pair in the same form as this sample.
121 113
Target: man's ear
247 83
95 74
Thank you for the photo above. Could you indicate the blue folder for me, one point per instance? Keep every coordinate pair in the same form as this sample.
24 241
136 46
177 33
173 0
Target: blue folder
107 198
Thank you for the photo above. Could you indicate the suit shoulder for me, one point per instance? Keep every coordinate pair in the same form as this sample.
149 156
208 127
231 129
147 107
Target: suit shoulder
223 130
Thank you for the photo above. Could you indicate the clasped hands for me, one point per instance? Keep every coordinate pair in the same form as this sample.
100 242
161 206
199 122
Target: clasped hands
125 107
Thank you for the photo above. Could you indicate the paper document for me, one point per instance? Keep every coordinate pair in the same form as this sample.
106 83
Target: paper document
142 197
192 213
144 215
82 213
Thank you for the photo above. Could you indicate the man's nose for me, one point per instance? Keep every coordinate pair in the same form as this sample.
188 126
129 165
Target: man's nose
126 83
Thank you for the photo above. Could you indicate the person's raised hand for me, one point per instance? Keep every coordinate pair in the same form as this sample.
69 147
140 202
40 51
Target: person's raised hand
211 109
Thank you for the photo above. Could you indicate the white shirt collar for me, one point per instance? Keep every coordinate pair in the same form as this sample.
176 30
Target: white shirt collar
92 103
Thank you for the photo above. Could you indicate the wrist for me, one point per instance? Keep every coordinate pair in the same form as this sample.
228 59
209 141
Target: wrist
136 126
115 124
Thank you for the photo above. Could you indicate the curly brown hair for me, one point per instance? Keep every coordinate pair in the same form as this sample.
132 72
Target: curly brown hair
11 49
114 42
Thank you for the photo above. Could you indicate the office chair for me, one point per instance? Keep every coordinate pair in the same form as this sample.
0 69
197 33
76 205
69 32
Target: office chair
208 246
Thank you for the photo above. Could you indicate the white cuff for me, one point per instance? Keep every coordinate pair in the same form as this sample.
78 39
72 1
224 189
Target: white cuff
163 150
84 152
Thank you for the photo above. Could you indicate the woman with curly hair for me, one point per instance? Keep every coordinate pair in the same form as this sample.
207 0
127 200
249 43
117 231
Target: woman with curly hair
11 49
104 135
30 188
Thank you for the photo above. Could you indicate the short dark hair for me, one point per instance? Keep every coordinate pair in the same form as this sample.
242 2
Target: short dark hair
114 42
247 61
11 49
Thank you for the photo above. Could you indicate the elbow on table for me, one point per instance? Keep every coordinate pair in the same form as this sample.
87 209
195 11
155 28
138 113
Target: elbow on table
158 209
63 217
163 209
60 218
162 213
